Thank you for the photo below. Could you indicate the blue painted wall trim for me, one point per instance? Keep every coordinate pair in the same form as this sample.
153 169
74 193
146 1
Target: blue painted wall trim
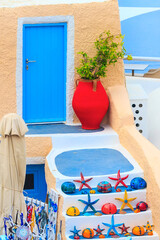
45 113
140 3
40 187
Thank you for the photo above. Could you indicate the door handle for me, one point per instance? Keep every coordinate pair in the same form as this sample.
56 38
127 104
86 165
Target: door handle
27 61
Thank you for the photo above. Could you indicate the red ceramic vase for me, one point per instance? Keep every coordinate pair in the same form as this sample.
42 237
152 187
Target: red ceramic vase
90 106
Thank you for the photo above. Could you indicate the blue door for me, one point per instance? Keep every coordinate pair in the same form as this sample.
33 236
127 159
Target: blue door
35 184
44 72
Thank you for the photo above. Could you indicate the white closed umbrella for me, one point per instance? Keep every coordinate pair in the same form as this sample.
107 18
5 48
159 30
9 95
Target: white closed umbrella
12 165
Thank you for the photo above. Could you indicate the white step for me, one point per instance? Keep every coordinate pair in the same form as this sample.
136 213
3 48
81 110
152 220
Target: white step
103 198
145 237
97 179
130 219
94 139
107 138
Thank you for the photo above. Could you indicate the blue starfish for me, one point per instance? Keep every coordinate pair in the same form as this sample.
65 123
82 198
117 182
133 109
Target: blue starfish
112 226
89 204
75 231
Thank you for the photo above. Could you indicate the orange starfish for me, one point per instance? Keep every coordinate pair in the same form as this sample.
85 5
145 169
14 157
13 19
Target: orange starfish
126 201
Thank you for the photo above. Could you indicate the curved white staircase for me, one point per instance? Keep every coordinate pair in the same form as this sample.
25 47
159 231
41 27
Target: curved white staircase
104 139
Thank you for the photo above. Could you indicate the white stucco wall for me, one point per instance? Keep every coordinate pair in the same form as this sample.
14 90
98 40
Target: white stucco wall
151 86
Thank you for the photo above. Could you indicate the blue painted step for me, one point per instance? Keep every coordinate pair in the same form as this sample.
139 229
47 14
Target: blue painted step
59 128
92 162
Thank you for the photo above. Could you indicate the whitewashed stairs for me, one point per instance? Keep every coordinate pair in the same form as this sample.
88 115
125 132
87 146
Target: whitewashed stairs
105 139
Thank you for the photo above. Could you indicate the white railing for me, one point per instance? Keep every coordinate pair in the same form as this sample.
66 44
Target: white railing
142 65
148 59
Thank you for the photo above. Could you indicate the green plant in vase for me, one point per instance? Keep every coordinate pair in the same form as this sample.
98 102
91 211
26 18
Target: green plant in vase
109 48
90 101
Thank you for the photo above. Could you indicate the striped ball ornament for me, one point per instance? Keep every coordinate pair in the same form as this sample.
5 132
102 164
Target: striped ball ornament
104 187
88 233
138 231
68 187
109 208
73 211
143 206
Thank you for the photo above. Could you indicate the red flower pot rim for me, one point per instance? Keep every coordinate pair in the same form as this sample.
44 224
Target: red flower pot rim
94 81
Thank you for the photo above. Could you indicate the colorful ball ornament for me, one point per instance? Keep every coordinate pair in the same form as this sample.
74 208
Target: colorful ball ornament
138 231
143 206
104 187
88 233
73 211
138 183
68 187
109 208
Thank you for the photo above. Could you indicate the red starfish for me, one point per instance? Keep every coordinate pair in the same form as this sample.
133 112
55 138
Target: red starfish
83 182
119 179
124 229
98 230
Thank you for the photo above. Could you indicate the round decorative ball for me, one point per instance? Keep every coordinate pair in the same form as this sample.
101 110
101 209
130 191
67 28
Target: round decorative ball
143 206
104 187
68 187
109 208
73 211
88 233
3 237
138 231
138 183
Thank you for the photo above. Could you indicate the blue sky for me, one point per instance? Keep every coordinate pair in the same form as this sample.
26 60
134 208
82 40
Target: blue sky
139 3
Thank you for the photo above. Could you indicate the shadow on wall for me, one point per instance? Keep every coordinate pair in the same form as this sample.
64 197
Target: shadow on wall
154 117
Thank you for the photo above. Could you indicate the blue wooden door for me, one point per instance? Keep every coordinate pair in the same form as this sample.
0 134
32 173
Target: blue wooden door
35 184
44 72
